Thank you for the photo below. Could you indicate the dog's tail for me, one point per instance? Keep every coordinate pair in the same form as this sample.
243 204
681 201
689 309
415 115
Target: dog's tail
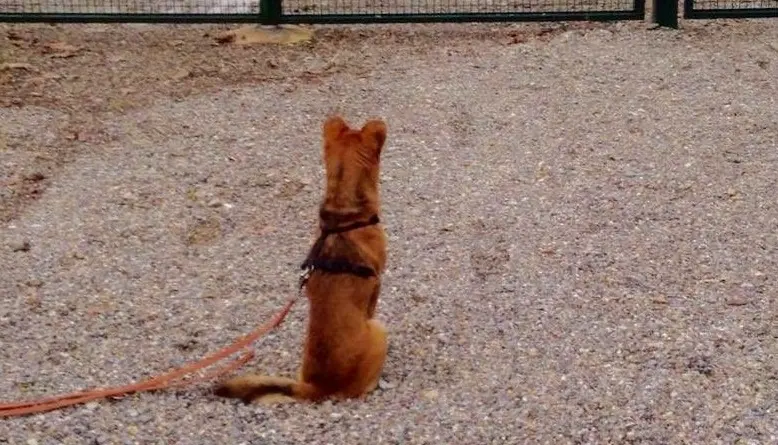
250 388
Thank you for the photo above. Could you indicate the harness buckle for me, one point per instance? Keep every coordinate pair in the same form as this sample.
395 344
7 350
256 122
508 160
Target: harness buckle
305 275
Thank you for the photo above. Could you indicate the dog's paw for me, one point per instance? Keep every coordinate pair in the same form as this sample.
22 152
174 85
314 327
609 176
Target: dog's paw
274 399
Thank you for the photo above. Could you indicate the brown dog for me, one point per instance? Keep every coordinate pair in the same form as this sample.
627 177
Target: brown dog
346 347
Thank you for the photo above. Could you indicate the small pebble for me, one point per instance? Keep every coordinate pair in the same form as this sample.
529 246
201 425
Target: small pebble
384 385
35 177
20 245
737 300
430 394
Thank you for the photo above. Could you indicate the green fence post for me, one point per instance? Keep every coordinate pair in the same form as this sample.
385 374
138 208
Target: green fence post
665 13
270 12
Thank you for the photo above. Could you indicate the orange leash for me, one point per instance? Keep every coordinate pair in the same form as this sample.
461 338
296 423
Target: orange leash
170 379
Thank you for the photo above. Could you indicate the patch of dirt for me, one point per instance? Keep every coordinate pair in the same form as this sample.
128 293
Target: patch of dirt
100 68
204 232
88 71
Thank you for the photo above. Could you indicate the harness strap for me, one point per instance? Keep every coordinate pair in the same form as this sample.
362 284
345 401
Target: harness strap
313 262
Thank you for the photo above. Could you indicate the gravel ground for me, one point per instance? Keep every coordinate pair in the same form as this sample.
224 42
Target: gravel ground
582 226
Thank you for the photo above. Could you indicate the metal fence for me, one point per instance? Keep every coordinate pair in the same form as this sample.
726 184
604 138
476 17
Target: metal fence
712 9
271 12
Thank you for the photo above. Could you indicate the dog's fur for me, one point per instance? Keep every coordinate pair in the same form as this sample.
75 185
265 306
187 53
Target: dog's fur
346 347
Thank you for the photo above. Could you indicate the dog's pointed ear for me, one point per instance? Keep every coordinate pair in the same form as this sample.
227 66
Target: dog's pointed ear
333 127
374 134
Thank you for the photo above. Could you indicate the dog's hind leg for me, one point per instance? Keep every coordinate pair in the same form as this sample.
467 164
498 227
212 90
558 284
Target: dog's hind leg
373 363
267 389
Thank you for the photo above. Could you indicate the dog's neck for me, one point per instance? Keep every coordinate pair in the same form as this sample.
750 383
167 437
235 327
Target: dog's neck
340 221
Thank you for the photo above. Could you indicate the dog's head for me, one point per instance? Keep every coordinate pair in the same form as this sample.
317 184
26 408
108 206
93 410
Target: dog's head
351 160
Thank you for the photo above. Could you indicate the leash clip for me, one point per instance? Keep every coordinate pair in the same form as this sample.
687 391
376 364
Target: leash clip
305 275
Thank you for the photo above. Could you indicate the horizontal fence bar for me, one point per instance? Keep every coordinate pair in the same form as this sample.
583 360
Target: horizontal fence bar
346 19
336 19
734 13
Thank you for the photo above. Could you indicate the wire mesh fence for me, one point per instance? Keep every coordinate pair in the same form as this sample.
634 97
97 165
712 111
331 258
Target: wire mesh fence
322 11
735 4
705 9
312 7
130 6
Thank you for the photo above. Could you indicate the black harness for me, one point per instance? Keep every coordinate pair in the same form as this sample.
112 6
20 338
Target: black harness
332 265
